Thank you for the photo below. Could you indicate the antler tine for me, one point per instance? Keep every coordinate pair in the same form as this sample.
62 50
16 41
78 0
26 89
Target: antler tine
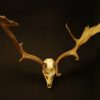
5 24
70 33
9 23
86 35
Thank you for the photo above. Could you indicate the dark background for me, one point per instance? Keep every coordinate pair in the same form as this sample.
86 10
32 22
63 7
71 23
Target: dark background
42 29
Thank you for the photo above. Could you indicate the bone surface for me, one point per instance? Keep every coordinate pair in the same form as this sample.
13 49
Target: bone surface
49 71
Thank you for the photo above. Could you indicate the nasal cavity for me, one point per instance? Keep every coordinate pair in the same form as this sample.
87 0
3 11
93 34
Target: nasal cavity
49 85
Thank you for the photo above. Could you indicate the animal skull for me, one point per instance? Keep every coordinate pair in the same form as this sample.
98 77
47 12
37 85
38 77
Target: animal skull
49 71
50 67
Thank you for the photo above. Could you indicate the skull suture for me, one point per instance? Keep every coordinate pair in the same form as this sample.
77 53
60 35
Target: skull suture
49 71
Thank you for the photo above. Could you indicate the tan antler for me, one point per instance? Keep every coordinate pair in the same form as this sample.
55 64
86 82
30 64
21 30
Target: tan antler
86 35
6 24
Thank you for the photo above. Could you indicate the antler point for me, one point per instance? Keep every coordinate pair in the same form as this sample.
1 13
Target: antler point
58 74
21 44
21 59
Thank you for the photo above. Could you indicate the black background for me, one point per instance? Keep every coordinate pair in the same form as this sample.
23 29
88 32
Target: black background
42 29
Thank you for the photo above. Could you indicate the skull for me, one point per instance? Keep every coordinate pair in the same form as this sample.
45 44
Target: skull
49 71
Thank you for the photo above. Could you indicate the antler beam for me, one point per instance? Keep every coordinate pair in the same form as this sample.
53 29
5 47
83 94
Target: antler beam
6 24
86 35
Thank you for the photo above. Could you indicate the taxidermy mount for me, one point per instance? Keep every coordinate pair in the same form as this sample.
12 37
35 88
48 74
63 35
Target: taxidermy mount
49 65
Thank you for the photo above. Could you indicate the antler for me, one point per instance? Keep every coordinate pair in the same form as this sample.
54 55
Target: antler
86 35
6 24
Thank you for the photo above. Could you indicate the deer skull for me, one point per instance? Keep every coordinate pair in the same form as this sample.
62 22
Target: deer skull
50 67
49 71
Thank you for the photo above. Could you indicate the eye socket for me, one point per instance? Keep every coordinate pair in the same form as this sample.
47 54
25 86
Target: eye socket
46 77
45 65
52 76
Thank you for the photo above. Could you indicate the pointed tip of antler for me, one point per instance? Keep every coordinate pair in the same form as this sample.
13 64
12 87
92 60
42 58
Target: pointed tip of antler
2 17
77 57
21 44
75 39
21 59
7 22
58 74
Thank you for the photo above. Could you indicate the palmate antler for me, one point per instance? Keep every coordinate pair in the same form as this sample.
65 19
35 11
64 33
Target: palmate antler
86 35
6 24
50 67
